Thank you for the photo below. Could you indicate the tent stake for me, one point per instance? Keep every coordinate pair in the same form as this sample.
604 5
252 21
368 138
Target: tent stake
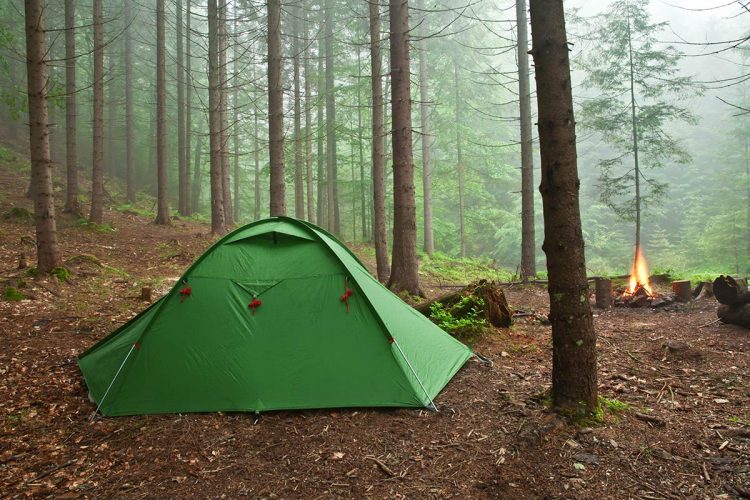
101 401
432 403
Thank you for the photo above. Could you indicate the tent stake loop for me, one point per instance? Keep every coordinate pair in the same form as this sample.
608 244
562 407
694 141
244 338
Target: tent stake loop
432 403
101 401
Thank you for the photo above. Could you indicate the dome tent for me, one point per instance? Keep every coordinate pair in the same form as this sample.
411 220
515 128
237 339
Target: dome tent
277 314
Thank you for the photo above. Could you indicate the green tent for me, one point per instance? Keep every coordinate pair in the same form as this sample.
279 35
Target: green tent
276 315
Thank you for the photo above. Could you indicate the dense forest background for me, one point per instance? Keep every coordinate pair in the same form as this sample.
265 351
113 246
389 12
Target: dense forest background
696 217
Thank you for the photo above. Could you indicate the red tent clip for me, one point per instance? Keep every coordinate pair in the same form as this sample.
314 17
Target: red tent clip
185 292
347 293
254 304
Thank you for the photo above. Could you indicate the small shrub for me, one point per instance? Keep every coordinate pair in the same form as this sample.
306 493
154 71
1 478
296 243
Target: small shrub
97 228
32 272
18 214
468 324
12 294
61 273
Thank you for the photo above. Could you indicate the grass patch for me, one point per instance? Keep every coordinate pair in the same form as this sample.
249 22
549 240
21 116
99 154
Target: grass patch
448 269
19 214
61 273
97 228
11 294
743 422
131 209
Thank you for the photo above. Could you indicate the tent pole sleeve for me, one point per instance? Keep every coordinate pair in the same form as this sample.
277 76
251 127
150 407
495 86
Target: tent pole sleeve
432 403
101 401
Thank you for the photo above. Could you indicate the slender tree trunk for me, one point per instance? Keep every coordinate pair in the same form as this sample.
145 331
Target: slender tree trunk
71 111
308 132
236 124
333 220
195 194
97 151
129 144
322 215
404 270
162 202
379 227
574 378
299 189
189 204
256 157
110 118
275 110
223 116
528 238
424 95
182 165
48 254
460 167
360 141
636 167
214 102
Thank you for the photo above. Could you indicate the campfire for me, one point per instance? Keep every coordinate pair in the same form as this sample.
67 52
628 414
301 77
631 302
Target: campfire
639 292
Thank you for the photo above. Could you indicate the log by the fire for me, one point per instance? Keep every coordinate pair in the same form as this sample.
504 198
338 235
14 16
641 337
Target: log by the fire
731 290
682 290
496 308
735 315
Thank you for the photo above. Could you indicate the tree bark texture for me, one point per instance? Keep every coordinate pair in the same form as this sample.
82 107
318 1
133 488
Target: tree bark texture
72 204
528 237
299 188
275 110
214 121
322 206
404 266
730 290
574 371
189 202
310 194
331 198
129 143
223 117
182 166
379 228
97 150
162 202
48 254
460 167
424 108
738 314
236 123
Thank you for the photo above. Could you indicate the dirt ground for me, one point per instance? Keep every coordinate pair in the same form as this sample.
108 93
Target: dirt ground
676 423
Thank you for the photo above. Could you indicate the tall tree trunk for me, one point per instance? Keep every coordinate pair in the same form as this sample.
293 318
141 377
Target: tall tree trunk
308 130
256 157
404 270
195 194
460 167
275 110
528 238
332 198
162 202
214 121
223 116
48 255
109 164
322 215
97 151
189 204
182 166
574 378
236 123
129 145
71 111
379 226
299 189
424 108
636 166
360 141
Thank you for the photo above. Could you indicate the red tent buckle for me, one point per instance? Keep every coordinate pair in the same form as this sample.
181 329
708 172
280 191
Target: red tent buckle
254 304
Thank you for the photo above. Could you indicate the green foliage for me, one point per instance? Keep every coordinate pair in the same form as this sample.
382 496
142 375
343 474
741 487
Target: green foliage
12 294
19 215
97 228
61 273
32 272
628 53
469 324
455 270
128 208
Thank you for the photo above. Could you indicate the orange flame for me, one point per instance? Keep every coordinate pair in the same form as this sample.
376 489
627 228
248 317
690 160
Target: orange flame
639 273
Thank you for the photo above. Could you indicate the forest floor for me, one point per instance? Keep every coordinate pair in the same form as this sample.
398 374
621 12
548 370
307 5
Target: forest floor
676 419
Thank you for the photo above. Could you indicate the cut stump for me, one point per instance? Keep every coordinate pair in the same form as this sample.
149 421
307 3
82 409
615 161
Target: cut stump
496 308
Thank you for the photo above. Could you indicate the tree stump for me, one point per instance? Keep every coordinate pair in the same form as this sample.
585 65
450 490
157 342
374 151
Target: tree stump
735 315
146 293
603 293
497 311
682 290
23 261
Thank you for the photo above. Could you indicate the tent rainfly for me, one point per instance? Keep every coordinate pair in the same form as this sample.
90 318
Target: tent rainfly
276 315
